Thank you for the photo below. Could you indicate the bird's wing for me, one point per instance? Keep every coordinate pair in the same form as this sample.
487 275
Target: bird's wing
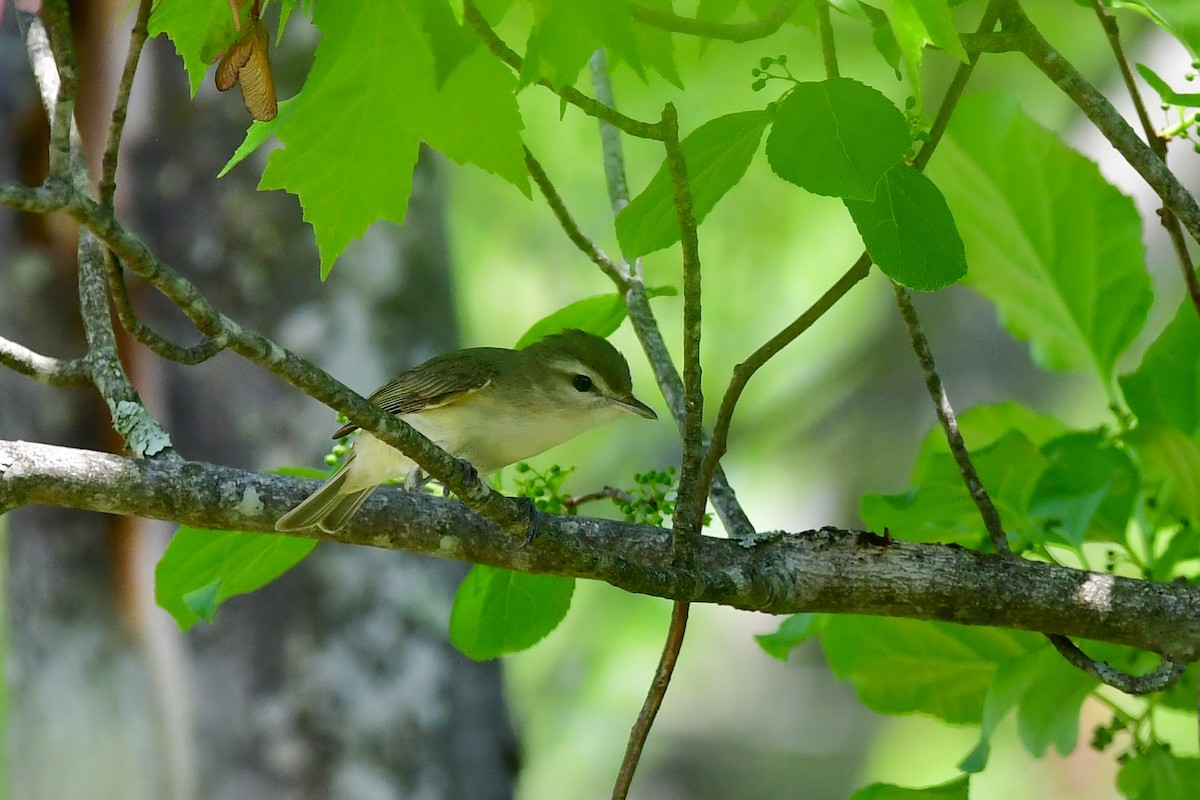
438 382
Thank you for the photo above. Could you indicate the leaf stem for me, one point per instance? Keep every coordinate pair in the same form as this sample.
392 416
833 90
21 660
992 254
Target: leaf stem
828 45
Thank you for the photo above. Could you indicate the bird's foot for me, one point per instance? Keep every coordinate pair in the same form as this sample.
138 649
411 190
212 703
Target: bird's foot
535 519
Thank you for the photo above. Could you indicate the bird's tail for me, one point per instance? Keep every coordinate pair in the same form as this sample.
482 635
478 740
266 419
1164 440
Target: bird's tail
329 508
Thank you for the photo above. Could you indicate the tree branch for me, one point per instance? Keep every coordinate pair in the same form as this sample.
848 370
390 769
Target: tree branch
728 31
827 570
116 126
641 315
1096 108
570 227
1169 221
693 494
949 423
44 369
654 699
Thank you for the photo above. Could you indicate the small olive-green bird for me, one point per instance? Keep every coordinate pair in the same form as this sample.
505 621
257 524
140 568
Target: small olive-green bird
488 405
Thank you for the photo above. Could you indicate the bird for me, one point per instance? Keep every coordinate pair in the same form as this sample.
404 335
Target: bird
488 406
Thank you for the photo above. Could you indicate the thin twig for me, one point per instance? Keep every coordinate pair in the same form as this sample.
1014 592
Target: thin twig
116 126
198 353
593 108
949 422
954 91
58 82
1165 676
641 315
1157 144
44 369
859 270
744 371
58 78
607 493
654 699
689 513
728 31
569 226
828 46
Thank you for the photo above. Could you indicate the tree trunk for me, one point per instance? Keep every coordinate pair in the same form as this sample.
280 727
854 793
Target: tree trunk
336 681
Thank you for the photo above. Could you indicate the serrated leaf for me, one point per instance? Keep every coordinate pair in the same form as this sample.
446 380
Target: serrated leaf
1158 774
836 137
952 790
351 142
900 666
448 39
565 33
202 569
717 155
792 632
1165 388
938 508
600 314
199 29
498 611
257 133
1088 486
909 231
1056 248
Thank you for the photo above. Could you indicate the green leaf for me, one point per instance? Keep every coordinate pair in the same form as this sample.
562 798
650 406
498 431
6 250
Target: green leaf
899 666
200 30
257 133
1165 92
916 23
203 602
793 631
939 509
600 314
909 231
1158 774
202 569
351 141
952 790
1180 18
1170 465
836 137
449 40
498 611
717 155
982 425
1047 693
1165 388
565 33
1089 485
1051 243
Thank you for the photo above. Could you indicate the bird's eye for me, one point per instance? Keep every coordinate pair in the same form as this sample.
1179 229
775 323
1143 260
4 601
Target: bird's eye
582 383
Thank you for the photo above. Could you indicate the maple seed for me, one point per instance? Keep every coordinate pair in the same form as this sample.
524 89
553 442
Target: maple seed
247 61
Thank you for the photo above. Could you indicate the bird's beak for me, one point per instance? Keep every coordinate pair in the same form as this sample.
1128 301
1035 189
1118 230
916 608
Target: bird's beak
635 406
